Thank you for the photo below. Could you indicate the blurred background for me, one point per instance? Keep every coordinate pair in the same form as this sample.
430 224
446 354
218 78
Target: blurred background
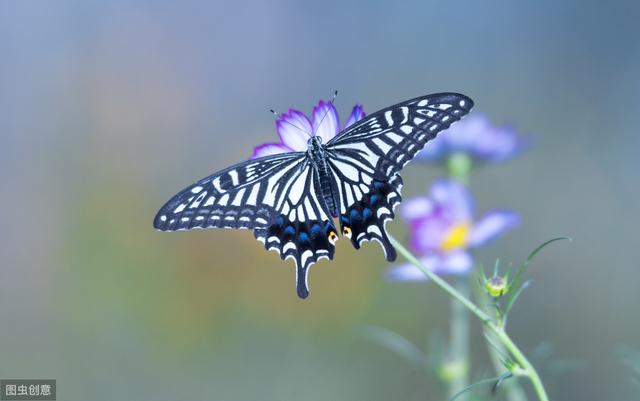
109 108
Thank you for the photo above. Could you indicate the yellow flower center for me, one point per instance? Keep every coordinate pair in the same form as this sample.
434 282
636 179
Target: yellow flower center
456 237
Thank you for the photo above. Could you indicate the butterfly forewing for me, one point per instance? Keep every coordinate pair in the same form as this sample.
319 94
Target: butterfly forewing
276 196
366 159
388 139
238 197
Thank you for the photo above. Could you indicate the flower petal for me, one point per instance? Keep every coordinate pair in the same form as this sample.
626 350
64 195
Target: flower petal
268 149
436 149
459 262
464 136
492 225
294 130
454 199
476 136
427 234
325 121
409 272
432 219
416 208
357 114
499 144
456 263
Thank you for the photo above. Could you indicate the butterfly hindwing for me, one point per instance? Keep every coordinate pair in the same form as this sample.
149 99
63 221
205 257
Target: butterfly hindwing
365 208
303 230
305 242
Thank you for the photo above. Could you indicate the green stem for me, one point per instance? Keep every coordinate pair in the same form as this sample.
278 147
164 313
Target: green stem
459 343
459 166
526 369
512 390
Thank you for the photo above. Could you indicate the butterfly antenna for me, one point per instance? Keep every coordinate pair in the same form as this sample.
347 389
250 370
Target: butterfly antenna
335 94
279 116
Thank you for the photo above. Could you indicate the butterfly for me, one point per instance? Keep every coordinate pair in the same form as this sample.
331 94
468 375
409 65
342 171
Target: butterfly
290 200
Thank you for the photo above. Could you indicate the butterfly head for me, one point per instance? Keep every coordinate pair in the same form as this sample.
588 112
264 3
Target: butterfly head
314 143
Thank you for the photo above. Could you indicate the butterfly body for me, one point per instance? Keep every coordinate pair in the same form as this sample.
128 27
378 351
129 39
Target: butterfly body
290 200
316 153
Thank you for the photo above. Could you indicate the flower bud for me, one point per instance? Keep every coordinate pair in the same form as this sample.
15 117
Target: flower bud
452 370
496 286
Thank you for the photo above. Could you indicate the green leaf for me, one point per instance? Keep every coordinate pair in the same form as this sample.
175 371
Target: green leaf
514 297
520 272
542 246
496 380
396 343
501 379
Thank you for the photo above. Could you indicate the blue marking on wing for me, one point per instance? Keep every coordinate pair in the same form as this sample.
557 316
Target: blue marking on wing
366 213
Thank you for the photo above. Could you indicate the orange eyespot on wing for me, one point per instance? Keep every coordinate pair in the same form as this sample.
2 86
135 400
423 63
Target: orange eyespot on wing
333 237
346 231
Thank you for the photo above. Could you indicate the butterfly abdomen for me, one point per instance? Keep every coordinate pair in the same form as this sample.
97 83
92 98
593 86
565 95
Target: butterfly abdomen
328 191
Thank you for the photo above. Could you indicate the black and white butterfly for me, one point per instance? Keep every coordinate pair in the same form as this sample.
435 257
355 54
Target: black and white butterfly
290 200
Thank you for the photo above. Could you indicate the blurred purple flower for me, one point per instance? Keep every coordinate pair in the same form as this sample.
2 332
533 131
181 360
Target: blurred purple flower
443 230
476 137
295 128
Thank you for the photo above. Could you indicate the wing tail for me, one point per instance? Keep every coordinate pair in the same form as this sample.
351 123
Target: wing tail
365 220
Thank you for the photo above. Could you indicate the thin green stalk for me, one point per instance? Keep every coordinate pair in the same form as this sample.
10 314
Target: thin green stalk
525 369
459 343
513 391
459 167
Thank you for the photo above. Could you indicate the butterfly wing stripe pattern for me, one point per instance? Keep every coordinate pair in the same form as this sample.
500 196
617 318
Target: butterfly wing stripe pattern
366 159
289 199
276 196
388 139
366 205
241 196
302 229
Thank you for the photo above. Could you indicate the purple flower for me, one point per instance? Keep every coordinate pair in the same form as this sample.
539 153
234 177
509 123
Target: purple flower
443 230
295 128
476 137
